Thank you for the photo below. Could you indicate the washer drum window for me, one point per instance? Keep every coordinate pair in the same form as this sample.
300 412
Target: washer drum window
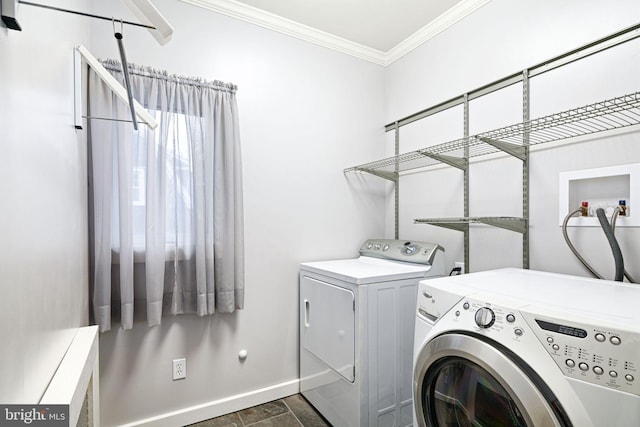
464 380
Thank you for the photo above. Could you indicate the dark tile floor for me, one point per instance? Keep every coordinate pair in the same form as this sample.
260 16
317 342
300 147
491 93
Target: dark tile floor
292 411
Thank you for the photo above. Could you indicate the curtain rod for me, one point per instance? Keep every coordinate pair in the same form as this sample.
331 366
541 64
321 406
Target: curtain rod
145 71
75 12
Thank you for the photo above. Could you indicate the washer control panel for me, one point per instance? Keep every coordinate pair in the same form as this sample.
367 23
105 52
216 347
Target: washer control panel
604 356
598 355
401 250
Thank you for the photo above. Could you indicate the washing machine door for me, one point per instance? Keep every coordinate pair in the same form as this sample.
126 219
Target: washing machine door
463 379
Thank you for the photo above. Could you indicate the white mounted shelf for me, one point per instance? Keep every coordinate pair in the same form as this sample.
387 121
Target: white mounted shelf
611 114
519 225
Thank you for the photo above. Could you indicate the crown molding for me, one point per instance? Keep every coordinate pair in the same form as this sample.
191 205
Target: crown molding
435 27
286 26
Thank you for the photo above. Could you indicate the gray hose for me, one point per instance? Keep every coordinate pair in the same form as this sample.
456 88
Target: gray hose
573 249
615 248
614 217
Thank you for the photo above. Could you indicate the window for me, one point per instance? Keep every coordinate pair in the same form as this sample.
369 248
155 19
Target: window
166 233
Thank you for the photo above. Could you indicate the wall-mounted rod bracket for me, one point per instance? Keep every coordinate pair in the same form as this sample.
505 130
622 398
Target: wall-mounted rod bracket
90 15
153 20
83 54
9 14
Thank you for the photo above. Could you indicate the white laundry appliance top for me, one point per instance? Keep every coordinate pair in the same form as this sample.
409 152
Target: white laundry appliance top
365 270
380 261
595 299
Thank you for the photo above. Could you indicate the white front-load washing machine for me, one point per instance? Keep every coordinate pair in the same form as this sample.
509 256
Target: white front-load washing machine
517 347
356 331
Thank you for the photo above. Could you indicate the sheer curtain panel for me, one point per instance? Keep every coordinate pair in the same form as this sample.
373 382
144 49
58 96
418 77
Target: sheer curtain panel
165 204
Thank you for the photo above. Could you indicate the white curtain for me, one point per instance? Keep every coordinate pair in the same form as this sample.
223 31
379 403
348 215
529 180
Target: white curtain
165 204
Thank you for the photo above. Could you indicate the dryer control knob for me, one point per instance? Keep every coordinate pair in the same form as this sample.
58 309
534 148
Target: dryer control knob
485 317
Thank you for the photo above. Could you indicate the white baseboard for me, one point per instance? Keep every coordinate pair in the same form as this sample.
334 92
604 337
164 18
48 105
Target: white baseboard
220 407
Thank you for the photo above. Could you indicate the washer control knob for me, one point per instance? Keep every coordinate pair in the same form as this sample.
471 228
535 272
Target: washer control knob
485 317
629 377
466 306
613 374
570 363
600 337
511 318
518 332
385 247
615 340
409 250
555 347
583 366
598 370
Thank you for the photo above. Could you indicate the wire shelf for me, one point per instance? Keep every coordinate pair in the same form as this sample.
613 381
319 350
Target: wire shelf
611 114
462 224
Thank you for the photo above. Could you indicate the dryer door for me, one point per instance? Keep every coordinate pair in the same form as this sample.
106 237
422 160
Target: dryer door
328 324
462 379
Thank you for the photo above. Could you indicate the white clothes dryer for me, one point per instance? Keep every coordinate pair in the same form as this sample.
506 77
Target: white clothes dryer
516 347
356 331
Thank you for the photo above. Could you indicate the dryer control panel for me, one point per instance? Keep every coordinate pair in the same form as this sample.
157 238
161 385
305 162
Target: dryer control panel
595 354
401 250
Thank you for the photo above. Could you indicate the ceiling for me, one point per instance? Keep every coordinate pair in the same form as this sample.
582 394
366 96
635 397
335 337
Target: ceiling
378 24
379 31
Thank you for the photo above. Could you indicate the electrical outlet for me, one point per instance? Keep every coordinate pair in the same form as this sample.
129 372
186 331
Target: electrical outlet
460 265
179 369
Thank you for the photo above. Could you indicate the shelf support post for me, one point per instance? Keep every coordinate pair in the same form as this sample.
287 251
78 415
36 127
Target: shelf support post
525 167
466 182
397 184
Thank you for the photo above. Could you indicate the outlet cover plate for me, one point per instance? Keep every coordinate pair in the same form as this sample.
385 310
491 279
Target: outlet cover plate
179 368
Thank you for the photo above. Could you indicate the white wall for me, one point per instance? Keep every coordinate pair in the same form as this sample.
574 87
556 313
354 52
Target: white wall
501 38
306 113
43 226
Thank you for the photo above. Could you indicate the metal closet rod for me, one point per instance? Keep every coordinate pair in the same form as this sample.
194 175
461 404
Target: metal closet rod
584 51
75 12
125 65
